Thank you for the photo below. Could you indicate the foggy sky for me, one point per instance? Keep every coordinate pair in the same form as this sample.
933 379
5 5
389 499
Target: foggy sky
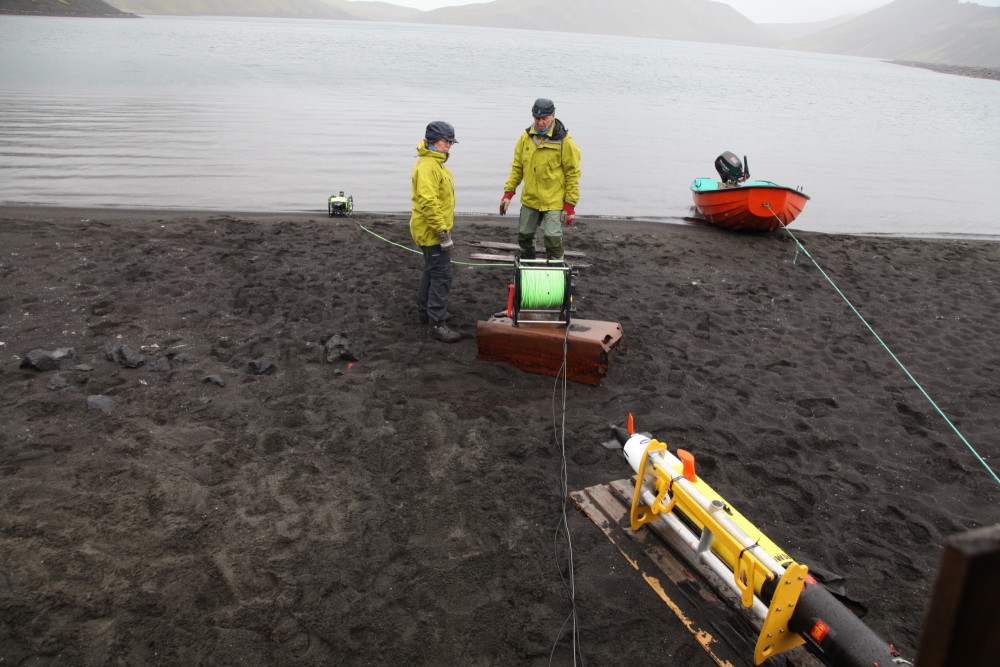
759 11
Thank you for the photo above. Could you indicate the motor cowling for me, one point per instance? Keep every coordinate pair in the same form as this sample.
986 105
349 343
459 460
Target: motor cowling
731 170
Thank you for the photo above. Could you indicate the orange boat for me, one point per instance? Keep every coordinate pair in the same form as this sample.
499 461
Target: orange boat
738 204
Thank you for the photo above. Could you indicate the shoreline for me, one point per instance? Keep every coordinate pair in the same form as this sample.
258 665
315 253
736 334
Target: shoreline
971 71
248 487
48 211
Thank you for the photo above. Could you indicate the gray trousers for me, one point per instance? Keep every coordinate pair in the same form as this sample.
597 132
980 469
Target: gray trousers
435 284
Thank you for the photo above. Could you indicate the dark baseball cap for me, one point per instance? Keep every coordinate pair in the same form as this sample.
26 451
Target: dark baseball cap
439 130
543 107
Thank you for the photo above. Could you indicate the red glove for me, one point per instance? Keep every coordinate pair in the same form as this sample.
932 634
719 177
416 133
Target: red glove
505 202
569 213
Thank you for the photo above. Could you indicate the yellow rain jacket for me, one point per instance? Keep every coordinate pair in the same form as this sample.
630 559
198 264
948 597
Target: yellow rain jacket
433 196
549 166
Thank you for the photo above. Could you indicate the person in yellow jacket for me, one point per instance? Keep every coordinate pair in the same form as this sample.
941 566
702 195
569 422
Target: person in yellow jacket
548 162
431 219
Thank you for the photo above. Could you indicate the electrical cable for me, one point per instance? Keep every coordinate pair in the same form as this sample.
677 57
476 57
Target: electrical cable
414 250
569 581
541 288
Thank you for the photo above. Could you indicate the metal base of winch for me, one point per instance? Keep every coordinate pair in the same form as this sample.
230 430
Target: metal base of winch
537 347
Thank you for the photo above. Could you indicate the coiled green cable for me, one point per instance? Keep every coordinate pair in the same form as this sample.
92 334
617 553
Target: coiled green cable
542 288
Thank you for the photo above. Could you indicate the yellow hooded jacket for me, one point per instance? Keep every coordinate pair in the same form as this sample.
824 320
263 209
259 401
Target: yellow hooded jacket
549 167
433 197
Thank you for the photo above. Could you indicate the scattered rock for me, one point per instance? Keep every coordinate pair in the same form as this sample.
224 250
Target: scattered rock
57 382
105 404
123 354
261 367
214 379
169 362
44 360
179 359
161 365
340 347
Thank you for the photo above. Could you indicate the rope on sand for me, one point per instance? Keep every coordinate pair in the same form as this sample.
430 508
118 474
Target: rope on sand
414 250
891 354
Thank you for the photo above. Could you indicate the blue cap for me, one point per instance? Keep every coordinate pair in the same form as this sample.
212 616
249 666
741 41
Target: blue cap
440 130
543 107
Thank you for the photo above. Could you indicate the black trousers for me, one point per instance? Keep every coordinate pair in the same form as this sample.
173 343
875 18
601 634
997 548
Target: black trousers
435 284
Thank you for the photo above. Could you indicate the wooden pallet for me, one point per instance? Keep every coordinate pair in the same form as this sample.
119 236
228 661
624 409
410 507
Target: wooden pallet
716 620
497 245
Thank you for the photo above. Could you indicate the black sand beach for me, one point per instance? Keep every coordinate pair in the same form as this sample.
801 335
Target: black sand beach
401 508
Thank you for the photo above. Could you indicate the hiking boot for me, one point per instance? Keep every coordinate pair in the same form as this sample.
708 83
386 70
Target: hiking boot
444 334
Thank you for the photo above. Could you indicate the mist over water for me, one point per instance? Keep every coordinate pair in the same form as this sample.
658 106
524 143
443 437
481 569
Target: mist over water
275 115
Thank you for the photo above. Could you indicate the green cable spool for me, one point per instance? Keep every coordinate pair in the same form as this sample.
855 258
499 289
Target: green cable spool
541 288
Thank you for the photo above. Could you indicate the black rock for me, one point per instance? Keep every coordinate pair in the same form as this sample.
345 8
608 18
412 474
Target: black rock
123 354
179 359
57 382
161 365
44 360
340 346
105 404
261 367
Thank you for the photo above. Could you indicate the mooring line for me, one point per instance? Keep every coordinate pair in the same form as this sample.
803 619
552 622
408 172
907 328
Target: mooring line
414 250
891 354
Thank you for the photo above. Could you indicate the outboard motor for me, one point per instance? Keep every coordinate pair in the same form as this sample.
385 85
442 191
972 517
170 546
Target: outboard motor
731 170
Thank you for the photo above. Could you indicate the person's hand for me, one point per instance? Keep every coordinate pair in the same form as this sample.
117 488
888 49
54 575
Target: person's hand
505 202
568 213
446 243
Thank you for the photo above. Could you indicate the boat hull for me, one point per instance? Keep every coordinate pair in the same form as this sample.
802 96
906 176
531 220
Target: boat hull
759 206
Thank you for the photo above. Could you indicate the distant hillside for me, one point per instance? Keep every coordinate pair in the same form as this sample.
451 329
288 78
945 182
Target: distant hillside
295 9
378 11
692 20
301 9
787 32
932 31
96 8
943 32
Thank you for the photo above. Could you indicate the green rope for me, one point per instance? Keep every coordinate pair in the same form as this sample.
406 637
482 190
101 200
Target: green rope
894 357
542 288
408 249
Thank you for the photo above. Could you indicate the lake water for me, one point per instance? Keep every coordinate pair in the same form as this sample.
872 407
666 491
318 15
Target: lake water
275 115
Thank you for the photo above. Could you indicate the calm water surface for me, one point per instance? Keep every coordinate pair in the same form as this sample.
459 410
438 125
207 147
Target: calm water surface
275 115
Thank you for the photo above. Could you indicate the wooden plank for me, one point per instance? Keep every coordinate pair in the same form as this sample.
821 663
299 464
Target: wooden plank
709 610
495 258
962 627
510 259
678 589
498 245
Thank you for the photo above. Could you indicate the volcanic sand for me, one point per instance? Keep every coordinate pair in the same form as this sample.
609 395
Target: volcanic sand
394 500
